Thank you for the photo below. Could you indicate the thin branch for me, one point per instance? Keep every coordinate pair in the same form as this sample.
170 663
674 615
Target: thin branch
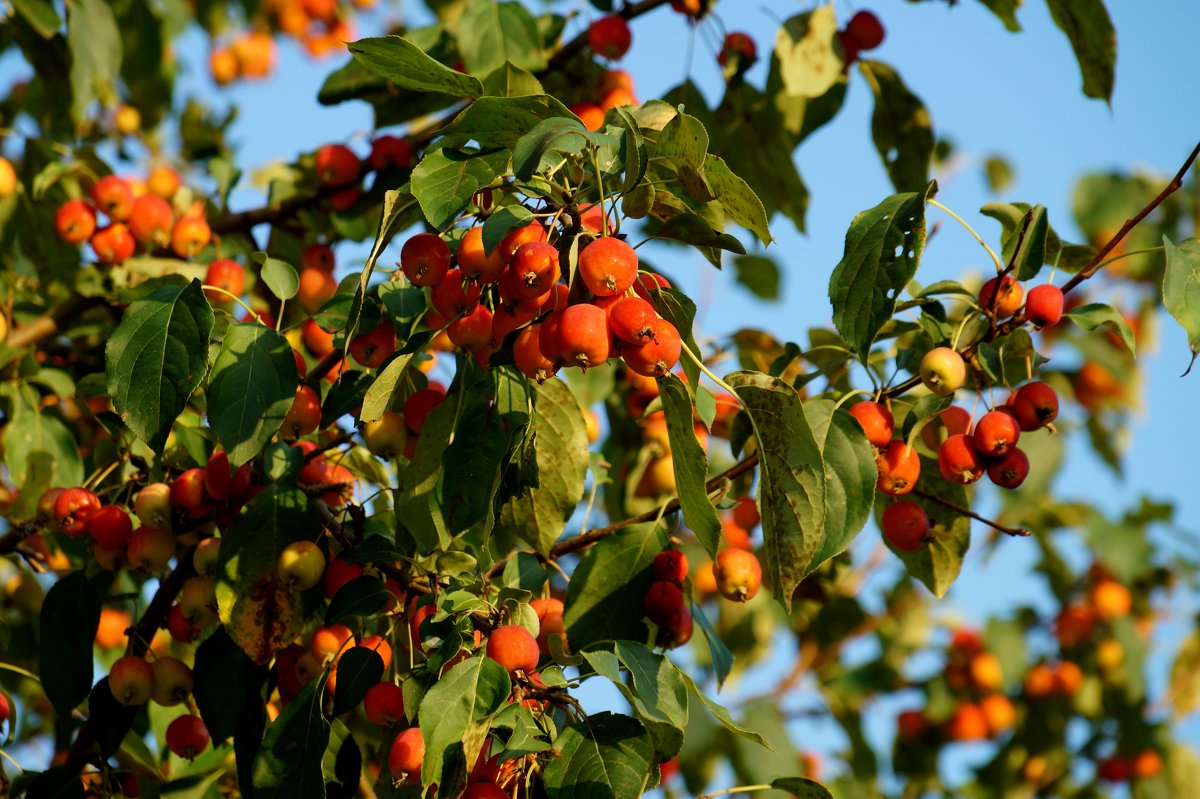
48 323
571 48
1014 531
16 536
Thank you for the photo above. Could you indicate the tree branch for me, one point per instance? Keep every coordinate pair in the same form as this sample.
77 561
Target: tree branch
48 323
945 503
16 536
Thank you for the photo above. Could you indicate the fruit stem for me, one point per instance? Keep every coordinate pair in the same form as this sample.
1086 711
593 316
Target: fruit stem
971 230
850 394
695 358
233 297
1014 531
600 189
736 789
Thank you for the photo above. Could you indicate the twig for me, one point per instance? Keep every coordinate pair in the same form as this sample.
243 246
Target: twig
48 323
568 50
16 536
1014 531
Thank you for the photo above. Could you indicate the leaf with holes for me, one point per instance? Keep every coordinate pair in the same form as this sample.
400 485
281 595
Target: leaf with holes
900 126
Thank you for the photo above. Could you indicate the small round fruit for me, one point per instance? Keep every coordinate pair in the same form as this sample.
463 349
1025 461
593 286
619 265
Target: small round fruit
745 513
608 266
338 573
187 736
535 267
384 704
1147 764
1011 470
425 259
473 330
387 436
317 287
738 50
514 648
152 505
899 467
8 185
73 508
301 565
906 525
113 197
866 30
406 753
664 604
163 181
374 347
419 404
632 320
172 681
590 114
131 680
967 724
150 549
996 433
527 352
583 336
189 493
950 422
876 421
75 221
959 460
610 37
474 262
205 557
738 574
550 620
304 416
522 235
999 713
986 673
1035 405
390 151
943 371
1001 296
657 357
670 565
1044 305
336 165
110 526
227 275
318 256
190 235
113 244
151 220
484 790
329 643
1111 599
379 646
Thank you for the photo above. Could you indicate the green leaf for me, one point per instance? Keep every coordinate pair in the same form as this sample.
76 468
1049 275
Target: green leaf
1030 244
1095 314
1185 677
1181 288
37 442
501 223
419 509
924 411
157 357
683 138
40 15
509 80
446 180
801 787
279 276
392 218
694 229
95 43
900 126
501 121
379 396
1006 10
938 563
655 690
791 491
604 597
256 610
491 33
554 135
635 149
457 709
850 476
809 64
883 248
251 389
410 67
110 719
606 756
69 618
737 198
722 715
403 305
758 274
718 652
224 676
691 464
539 515
365 595
288 764
678 309
357 670
1090 31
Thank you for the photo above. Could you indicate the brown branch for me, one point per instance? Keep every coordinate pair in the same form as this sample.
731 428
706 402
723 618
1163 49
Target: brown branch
584 540
1014 531
16 536
1175 184
48 323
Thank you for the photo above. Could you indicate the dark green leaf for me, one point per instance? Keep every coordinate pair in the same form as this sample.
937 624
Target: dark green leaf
850 476
499 224
604 597
363 596
691 464
718 652
457 710
492 33
605 756
1030 244
883 248
501 121
69 617
678 309
737 198
554 135
695 230
223 676
95 42
396 214
157 357
280 277
446 180
655 690
357 670
1090 31
683 138
900 126
1006 10
410 67
801 787
1095 314
110 719
759 274
509 80
251 389
288 765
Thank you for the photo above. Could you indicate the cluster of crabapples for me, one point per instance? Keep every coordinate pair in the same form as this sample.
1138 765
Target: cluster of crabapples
863 32
556 326
966 449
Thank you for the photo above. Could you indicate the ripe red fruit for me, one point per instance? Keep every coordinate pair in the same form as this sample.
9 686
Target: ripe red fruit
514 648
866 30
225 274
151 220
5 709
131 680
113 244
384 703
590 114
632 320
967 724
608 266
670 565
1011 470
371 349
187 736
738 574
905 524
1006 294
959 460
189 236
388 150
419 404
318 256
582 333
473 330
338 573
425 259
657 357
317 287
745 513
522 235
110 526
996 433
509 317
738 46
181 629
304 416
1044 305
406 753
610 37
113 196
484 790
189 493
899 467
474 263
527 352
75 221
1035 405
876 421
450 297
73 509
535 267
647 282
219 479
664 604
336 165
950 422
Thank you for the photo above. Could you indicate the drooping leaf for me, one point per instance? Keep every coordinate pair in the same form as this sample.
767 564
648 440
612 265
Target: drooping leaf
1181 288
758 274
883 248
95 43
365 595
605 756
410 67
224 675
655 690
1090 31
69 618
718 653
357 670
457 709
721 714
251 389
41 16
690 463
737 198
289 762
157 357
396 213
1095 314
1030 244
901 127
280 277
809 64
801 787
850 476
553 135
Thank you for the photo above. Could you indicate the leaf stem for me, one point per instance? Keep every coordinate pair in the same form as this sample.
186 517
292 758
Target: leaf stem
736 789
695 358
235 298
971 230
